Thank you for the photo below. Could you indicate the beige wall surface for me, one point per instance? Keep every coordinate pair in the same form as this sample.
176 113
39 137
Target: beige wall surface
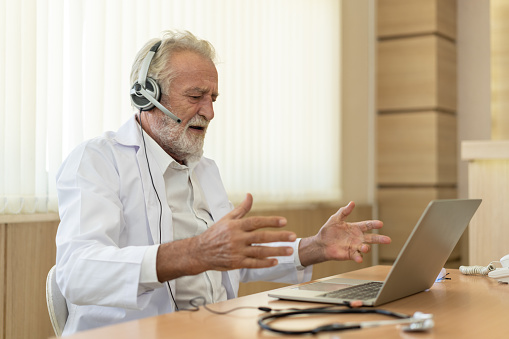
421 148
416 73
358 107
403 18
500 69
488 172
28 252
483 111
402 207
416 102
474 89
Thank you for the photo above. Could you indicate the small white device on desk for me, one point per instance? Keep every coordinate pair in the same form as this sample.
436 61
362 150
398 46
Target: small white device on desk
501 274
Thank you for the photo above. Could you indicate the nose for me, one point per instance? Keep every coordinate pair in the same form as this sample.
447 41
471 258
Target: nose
207 109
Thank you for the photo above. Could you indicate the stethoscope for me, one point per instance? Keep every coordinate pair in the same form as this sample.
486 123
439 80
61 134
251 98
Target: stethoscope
417 322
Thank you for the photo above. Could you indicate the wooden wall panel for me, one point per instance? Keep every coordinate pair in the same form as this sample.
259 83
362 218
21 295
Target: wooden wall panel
411 17
489 229
406 76
306 221
416 73
403 17
31 253
446 17
416 103
446 71
499 12
447 148
400 209
417 148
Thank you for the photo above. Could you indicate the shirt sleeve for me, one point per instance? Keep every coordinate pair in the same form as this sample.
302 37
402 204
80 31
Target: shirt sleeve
296 257
148 272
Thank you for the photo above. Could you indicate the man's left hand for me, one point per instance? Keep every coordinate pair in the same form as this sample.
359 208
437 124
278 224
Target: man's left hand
341 240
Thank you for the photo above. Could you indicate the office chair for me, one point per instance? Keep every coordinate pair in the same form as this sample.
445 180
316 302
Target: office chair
57 306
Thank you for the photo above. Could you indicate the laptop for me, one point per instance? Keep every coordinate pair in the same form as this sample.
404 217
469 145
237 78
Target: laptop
416 268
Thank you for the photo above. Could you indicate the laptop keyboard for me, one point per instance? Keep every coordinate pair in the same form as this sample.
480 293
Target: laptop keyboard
358 292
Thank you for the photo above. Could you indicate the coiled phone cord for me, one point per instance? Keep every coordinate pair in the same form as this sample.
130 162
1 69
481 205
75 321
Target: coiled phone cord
477 269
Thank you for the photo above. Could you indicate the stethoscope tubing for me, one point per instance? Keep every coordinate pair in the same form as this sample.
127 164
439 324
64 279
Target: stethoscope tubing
264 321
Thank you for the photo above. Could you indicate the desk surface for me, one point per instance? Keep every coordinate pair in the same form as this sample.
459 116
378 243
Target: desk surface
463 307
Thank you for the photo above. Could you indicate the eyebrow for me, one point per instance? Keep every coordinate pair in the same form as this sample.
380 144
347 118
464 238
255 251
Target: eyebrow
201 91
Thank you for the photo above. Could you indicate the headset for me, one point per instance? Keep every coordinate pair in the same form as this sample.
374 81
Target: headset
160 204
146 92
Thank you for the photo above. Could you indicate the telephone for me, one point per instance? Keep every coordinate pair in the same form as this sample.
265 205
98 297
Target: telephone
501 274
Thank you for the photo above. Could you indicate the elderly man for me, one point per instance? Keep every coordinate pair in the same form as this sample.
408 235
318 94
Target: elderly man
146 224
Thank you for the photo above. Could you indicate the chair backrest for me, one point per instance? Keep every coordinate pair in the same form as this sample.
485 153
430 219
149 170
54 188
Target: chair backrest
57 306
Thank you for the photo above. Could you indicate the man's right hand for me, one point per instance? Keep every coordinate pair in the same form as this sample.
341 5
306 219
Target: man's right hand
231 243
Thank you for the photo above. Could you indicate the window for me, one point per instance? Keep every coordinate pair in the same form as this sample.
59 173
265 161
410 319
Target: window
64 78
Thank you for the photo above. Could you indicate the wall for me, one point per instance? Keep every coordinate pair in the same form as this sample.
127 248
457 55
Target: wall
416 120
482 110
499 12
485 99
358 101
474 79
474 88
27 252
27 246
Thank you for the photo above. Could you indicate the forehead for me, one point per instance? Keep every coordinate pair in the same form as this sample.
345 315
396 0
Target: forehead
188 65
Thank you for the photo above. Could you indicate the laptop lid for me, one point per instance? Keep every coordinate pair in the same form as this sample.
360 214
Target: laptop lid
418 264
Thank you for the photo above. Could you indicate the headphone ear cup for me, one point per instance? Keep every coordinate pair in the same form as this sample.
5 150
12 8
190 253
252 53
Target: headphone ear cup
139 100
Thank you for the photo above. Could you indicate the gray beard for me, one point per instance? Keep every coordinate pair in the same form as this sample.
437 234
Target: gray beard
176 138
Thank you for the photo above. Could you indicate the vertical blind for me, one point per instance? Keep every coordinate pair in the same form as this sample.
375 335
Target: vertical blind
64 78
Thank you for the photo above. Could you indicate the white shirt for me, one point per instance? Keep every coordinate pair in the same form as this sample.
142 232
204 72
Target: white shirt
190 218
110 218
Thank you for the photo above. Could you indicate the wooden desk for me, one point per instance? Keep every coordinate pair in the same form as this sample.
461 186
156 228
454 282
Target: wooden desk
463 307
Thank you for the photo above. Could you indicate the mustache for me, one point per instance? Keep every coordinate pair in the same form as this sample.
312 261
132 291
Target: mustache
198 121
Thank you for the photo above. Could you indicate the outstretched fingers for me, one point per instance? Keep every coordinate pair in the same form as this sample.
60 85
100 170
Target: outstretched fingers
242 209
372 238
357 257
260 256
368 225
253 223
264 237
345 211
249 262
265 252
236 241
